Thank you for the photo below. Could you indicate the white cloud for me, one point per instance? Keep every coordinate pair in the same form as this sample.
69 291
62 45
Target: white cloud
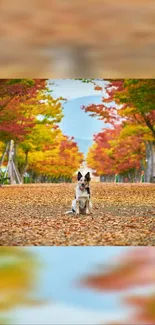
59 314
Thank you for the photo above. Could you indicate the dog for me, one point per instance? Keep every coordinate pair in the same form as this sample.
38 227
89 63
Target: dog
82 203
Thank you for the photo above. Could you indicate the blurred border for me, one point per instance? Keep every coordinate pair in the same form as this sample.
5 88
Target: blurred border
67 39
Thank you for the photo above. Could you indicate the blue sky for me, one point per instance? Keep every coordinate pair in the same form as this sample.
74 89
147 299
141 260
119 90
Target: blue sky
65 265
76 122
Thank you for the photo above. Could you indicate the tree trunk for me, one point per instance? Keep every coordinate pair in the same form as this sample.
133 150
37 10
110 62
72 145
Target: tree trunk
153 162
138 175
150 162
24 168
10 164
4 154
15 154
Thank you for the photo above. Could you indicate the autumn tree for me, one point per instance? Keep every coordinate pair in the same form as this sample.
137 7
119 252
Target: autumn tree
34 142
58 160
133 270
137 98
131 102
45 130
111 154
27 114
16 99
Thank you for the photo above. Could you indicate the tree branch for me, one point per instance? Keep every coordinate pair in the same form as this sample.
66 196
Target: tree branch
148 123
2 106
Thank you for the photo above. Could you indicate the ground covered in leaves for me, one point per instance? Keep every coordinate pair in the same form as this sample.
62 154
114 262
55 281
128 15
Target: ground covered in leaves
123 214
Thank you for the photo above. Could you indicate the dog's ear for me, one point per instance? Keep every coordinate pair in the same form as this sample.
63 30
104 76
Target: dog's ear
79 175
87 177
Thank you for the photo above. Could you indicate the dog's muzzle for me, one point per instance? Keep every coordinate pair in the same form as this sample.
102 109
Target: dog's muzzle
82 187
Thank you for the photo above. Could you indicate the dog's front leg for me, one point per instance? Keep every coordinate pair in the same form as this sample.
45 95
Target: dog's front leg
77 207
90 207
87 207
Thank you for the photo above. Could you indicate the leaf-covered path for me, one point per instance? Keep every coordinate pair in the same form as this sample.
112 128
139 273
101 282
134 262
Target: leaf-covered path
123 214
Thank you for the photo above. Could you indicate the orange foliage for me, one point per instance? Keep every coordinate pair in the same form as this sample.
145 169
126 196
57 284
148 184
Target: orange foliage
135 269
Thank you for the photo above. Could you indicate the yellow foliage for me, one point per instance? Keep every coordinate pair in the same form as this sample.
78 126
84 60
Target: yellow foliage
17 277
2 148
127 111
135 129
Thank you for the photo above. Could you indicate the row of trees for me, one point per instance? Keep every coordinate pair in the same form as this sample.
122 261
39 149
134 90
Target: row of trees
30 116
128 147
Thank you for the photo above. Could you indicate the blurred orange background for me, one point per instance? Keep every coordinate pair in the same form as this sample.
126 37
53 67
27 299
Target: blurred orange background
61 38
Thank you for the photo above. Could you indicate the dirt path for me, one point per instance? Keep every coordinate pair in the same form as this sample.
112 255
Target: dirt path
123 214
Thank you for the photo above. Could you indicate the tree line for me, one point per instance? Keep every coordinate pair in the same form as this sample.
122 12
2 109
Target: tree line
127 147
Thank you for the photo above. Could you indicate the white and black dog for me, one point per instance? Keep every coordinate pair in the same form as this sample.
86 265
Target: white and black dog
82 203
